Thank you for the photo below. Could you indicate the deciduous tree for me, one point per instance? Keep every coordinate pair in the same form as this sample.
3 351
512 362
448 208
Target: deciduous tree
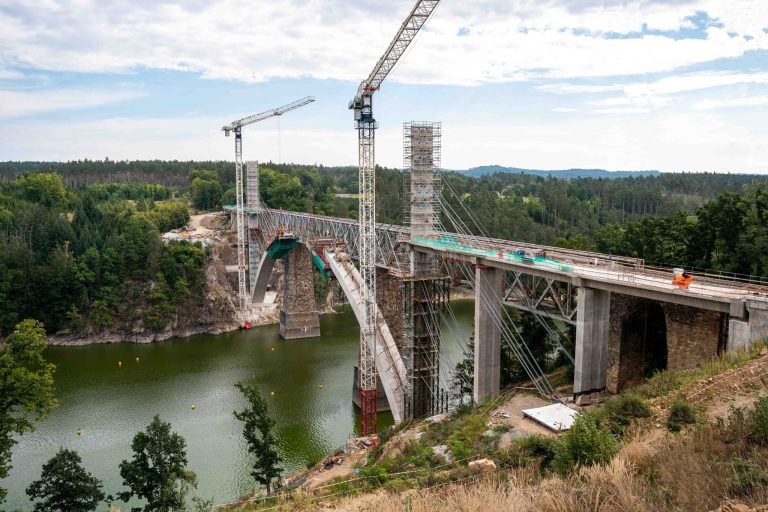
258 430
65 485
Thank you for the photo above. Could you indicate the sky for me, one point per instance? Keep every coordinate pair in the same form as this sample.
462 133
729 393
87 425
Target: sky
673 85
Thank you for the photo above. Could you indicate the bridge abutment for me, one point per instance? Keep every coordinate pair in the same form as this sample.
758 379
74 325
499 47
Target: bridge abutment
299 317
488 295
648 335
753 326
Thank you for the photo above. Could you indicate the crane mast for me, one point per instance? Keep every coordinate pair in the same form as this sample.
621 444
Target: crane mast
237 126
365 124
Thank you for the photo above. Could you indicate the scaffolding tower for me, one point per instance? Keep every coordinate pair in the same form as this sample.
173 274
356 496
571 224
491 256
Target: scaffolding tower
425 292
252 199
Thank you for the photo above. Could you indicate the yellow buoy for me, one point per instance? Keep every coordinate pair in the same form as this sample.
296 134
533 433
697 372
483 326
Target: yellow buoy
273 393
120 364
320 386
194 407
137 359
273 349
78 432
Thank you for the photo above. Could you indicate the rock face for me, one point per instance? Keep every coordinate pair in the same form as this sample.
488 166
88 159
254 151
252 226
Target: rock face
214 315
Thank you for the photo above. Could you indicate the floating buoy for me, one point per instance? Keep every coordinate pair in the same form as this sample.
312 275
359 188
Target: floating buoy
78 432
272 393
194 407
137 359
120 364
320 386
247 325
273 349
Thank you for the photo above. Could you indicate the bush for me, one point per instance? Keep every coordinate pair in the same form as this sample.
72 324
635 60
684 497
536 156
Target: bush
620 411
747 476
377 473
757 421
526 450
588 442
680 414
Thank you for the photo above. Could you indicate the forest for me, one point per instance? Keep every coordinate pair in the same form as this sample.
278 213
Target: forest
86 257
77 237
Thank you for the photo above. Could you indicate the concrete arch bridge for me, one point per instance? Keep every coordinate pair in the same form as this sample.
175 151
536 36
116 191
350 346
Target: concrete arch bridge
629 318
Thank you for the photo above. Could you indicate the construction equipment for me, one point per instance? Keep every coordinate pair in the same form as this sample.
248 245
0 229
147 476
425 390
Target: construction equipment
365 124
236 126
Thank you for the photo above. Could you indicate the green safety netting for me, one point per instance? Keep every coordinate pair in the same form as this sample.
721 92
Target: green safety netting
319 263
282 246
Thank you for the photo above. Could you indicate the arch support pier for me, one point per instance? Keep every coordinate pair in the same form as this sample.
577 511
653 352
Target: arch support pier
299 317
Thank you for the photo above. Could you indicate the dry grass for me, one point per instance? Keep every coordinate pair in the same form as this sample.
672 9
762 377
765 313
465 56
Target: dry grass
615 487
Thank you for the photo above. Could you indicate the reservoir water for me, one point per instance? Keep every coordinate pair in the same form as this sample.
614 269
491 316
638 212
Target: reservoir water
110 403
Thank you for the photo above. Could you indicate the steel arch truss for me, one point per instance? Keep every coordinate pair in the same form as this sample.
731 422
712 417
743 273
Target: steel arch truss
343 231
555 299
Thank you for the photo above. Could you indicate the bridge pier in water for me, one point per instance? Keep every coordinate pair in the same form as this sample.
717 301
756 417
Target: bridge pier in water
299 317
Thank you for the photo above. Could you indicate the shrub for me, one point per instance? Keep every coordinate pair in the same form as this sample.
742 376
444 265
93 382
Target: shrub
587 442
747 476
680 414
620 411
539 447
376 472
527 449
757 421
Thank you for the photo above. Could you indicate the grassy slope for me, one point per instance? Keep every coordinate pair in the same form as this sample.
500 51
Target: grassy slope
638 464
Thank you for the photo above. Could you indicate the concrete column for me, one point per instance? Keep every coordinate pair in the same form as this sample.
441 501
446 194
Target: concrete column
299 317
488 295
592 333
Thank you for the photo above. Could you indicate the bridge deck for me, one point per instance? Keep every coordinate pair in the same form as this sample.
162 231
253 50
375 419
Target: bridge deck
619 273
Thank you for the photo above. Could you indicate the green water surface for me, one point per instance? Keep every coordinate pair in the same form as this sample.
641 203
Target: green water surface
110 403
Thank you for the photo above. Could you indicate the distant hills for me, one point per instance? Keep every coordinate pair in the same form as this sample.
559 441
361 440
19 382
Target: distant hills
562 174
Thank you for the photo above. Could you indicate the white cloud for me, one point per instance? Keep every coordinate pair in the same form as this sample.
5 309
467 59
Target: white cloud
24 103
341 39
564 109
641 97
750 101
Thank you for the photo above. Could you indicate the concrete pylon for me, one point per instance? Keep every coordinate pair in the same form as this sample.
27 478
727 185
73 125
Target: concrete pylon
299 317
592 334
488 295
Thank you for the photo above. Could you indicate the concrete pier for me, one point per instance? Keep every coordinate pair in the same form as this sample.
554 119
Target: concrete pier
488 290
592 335
299 317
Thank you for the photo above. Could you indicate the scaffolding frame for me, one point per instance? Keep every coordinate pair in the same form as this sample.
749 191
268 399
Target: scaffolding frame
425 291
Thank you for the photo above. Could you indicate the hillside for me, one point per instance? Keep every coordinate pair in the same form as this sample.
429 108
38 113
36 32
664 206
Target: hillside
560 174
693 440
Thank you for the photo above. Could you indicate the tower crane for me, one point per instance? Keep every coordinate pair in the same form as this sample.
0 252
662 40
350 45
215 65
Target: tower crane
237 126
365 124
